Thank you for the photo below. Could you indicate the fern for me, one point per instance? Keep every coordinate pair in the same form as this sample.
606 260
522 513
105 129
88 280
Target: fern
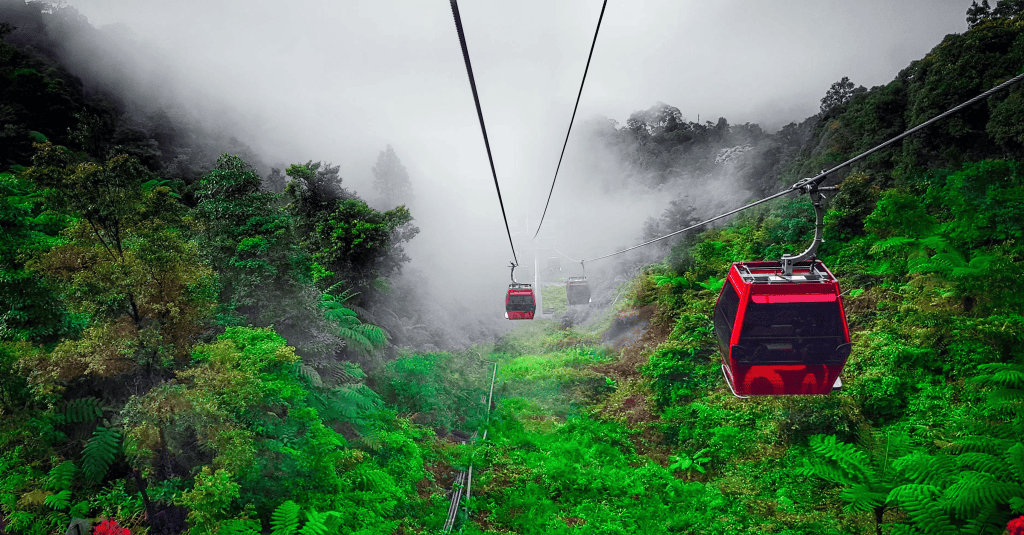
919 502
80 410
60 476
315 523
58 501
976 489
307 372
364 336
285 520
100 452
240 527
984 462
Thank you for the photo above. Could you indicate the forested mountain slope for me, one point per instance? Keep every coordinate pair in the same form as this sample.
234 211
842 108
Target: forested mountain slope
184 346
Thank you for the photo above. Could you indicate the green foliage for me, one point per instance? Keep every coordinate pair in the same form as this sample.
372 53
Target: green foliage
79 410
363 337
100 452
285 520
685 462
209 499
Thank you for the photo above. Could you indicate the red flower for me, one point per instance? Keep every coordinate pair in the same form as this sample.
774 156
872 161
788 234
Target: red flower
1016 526
110 527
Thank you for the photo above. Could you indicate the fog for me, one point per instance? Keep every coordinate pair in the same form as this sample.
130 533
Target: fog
338 81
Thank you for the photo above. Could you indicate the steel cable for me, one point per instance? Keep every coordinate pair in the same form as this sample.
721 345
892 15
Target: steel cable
480 114
573 119
802 184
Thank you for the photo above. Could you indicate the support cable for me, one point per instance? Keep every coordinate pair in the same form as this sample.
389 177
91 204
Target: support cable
480 114
578 95
806 183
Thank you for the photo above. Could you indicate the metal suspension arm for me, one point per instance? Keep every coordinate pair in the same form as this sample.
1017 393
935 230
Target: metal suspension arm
788 261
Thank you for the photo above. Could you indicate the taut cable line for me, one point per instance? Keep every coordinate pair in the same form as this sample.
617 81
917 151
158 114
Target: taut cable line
480 114
804 184
578 95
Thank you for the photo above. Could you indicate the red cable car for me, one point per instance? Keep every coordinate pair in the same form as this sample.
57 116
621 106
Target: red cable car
519 300
779 334
780 325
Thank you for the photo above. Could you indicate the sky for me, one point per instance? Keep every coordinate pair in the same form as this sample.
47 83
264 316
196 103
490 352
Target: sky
339 80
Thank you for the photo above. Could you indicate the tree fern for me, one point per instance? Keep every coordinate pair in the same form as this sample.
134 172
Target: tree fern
361 336
100 452
285 519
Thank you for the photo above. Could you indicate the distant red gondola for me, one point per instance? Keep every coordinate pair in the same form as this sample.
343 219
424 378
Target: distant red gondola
519 302
779 334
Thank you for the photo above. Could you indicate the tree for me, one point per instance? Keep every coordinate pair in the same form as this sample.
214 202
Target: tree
837 96
977 13
248 240
391 180
125 263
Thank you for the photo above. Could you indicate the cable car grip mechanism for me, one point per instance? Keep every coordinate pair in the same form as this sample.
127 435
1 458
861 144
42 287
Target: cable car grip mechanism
810 187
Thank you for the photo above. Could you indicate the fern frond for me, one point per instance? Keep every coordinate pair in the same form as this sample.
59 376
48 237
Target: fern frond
895 241
982 444
285 519
967 496
100 452
58 501
240 527
79 410
310 374
989 520
1001 374
320 523
1014 457
922 508
863 498
936 242
853 463
984 462
59 477
34 498
376 335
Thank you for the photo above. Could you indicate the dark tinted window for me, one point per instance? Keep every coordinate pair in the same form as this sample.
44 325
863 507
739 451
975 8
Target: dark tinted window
774 320
725 314
520 300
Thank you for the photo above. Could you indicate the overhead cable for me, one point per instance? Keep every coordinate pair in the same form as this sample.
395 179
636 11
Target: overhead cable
480 114
801 185
566 143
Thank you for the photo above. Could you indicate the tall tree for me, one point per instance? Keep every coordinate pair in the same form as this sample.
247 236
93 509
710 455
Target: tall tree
127 263
391 180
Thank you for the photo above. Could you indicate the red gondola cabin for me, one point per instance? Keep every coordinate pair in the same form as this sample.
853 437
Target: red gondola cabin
781 335
519 302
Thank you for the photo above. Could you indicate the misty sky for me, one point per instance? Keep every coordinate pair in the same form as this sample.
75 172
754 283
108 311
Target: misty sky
337 81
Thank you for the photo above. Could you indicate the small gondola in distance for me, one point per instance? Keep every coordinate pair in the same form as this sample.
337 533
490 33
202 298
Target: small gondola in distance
781 334
577 291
